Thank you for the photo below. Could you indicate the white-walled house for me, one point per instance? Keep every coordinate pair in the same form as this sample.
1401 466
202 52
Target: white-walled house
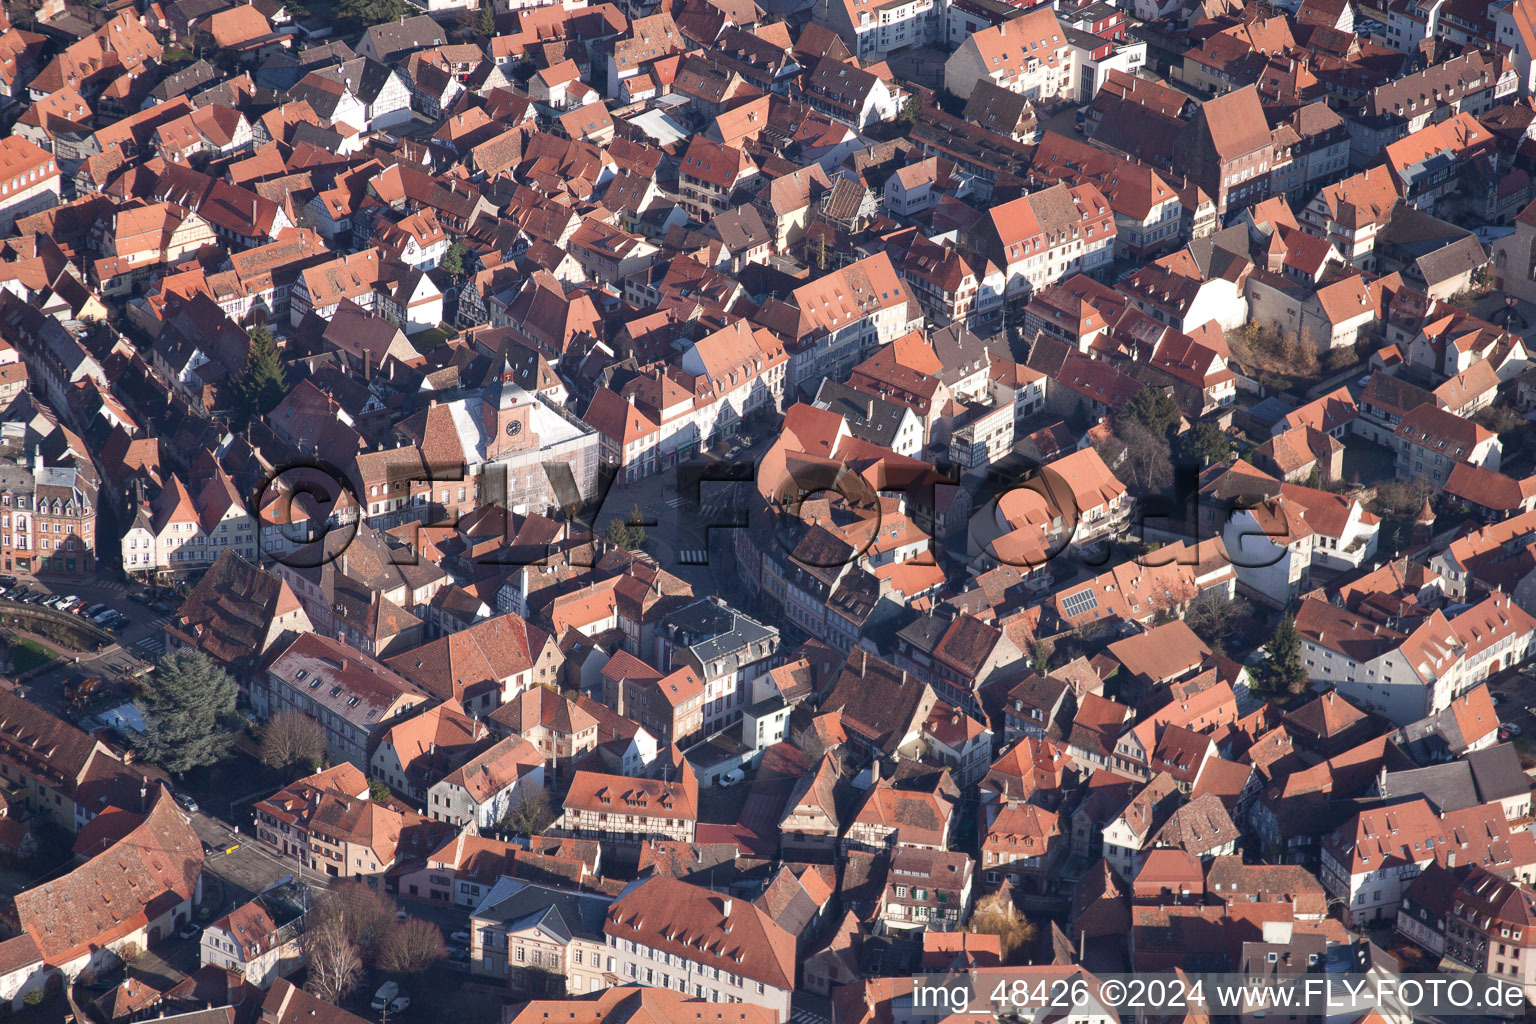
1370 860
720 947
1344 533
23 971
1496 634
871 29
1402 676
483 790
178 532
249 940
1271 549
1028 55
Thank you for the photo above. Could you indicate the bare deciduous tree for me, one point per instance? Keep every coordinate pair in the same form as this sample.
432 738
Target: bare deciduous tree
335 962
996 915
1148 459
363 916
292 739
530 817
412 946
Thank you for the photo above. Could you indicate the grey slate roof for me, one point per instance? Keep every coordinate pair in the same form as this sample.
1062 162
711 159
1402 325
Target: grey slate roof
870 418
1447 787
1463 255
399 37
518 905
1497 773
713 630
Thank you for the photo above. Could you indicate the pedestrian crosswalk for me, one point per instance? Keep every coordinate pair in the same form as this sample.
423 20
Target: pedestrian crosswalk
111 586
803 1016
677 502
693 556
153 645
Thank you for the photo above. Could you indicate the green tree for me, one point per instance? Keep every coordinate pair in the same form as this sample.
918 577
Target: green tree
372 12
188 704
1040 654
487 29
1282 674
1151 408
453 259
909 112
379 791
1204 444
631 534
263 383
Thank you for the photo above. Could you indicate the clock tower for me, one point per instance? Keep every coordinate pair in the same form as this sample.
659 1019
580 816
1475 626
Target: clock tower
505 412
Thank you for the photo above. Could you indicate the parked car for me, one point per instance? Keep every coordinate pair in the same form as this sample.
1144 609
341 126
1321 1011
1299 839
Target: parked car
400 1005
385 995
1512 728
732 777
163 607
139 597
189 931
94 610
186 802
7 581
459 938
1498 698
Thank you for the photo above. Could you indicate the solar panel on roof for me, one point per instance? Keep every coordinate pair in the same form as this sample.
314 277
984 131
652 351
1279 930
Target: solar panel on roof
1076 604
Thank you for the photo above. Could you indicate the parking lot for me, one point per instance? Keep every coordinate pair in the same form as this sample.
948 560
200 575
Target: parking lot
140 637
1515 700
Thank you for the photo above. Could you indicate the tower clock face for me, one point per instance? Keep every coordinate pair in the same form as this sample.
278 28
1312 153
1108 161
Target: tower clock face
514 428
